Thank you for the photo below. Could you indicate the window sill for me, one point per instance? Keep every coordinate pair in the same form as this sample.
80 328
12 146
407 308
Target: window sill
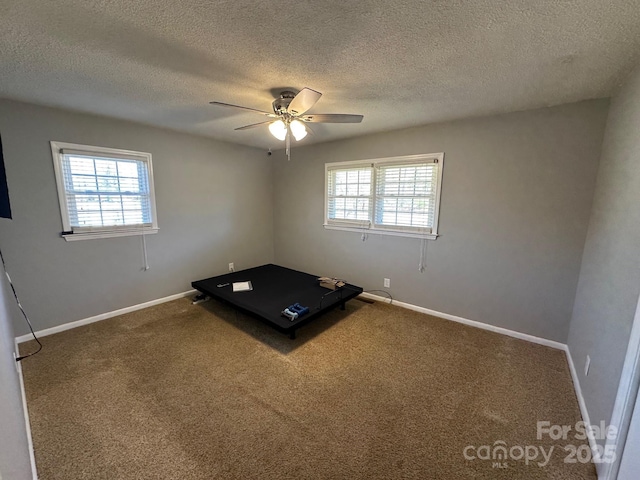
72 237
373 231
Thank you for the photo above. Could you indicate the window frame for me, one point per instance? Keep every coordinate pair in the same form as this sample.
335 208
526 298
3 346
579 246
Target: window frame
370 226
108 231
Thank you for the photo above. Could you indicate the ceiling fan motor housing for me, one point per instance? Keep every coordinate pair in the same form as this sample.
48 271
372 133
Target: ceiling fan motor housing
280 105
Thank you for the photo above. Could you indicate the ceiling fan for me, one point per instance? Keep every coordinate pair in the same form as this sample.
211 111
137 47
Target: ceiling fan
289 111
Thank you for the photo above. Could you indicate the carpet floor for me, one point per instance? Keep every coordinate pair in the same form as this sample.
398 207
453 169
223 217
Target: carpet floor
178 391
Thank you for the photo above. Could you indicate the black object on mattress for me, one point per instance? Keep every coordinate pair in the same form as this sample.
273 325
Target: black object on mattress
274 289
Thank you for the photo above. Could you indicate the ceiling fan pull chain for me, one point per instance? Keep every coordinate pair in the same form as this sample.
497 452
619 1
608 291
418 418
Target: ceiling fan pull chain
288 143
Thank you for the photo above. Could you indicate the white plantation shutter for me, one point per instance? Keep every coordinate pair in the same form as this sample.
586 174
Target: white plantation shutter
104 190
406 195
350 195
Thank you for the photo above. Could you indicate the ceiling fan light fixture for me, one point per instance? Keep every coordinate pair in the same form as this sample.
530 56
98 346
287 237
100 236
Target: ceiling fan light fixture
298 129
289 111
278 129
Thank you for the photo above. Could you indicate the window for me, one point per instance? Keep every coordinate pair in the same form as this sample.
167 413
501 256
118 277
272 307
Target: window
349 193
393 196
104 192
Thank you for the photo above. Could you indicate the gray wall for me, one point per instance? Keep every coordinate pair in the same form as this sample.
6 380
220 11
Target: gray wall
609 282
214 205
15 463
516 199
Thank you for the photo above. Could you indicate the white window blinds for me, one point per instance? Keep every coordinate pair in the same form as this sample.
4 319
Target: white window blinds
406 195
349 193
103 191
391 196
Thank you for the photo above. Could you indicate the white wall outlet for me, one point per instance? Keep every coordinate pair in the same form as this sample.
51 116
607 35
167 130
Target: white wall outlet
587 364
387 283
231 267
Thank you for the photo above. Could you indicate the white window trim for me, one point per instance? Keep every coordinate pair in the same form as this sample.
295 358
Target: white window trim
100 232
370 227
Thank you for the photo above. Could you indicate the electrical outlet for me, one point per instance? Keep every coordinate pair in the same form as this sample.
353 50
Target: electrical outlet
587 364
387 283
231 267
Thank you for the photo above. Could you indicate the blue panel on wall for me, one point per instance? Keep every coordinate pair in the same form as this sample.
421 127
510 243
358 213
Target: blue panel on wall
5 206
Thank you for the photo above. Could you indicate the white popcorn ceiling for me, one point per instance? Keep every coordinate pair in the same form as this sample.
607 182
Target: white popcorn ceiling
400 64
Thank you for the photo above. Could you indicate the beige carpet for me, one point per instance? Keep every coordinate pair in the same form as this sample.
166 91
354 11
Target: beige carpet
375 392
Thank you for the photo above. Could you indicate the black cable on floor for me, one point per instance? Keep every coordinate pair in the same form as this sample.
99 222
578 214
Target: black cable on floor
346 286
24 314
383 291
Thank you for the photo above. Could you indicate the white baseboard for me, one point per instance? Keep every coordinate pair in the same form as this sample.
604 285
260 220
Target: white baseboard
103 316
27 422
583 406
472 323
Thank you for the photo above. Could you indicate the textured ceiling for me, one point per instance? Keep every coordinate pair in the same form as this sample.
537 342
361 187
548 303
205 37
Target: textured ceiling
402 63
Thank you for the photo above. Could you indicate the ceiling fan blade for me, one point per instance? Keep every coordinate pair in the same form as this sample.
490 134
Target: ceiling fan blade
253 125
303 101
244 108
332 118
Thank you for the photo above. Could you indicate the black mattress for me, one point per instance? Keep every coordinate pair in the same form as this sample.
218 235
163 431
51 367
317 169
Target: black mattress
274 289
